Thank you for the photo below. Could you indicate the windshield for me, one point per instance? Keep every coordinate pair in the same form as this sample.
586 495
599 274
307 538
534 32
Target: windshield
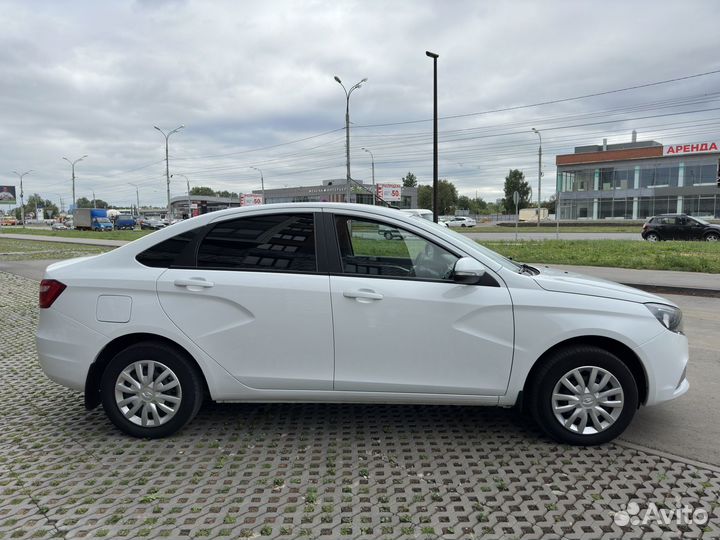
103 220
701 220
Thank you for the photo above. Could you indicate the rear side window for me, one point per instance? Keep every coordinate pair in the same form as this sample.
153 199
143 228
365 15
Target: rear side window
168 252
277 242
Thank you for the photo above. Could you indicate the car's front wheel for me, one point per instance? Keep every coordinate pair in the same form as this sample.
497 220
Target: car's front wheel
584 395
150 390
652 237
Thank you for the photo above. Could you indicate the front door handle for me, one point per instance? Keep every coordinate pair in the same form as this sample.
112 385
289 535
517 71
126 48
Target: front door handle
364 294
195 282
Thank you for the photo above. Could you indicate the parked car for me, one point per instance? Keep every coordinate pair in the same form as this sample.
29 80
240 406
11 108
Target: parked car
423 213
58 226
307 302
679 227
152 224
124 221
460 221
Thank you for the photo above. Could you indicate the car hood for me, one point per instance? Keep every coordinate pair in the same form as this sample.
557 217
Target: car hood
554 280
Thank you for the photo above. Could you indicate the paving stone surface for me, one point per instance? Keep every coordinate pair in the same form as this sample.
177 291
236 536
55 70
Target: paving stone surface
317 471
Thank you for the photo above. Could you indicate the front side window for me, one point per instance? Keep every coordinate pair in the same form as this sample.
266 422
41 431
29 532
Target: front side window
274 242
371 248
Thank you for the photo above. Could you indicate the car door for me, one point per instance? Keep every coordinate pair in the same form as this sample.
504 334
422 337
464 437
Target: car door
255 302
402 325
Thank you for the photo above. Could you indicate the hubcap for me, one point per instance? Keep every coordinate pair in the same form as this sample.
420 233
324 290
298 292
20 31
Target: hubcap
587 400
148 393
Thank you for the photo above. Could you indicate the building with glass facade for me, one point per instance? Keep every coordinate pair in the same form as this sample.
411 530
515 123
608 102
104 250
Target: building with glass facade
639 179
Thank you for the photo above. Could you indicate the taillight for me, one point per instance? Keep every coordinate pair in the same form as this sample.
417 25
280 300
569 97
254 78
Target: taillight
50 289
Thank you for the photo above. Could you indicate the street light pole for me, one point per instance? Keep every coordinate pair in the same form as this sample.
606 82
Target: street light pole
137 195
94 205
372 160
188 192
167 162
22 204
262 182
347 130
539 173
435 138
72 164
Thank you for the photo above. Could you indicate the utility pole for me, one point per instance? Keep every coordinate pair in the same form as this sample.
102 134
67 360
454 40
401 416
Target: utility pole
188 192
72 164
22 204
167 163
539 174
372 160
262 182
347 130
435 138
94 205
137 196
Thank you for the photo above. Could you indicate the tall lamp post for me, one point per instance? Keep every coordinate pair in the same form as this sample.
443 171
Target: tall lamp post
167 162
137 196
372 160
347 129
262 182
539 173
435 137
188 192
22 204
72 164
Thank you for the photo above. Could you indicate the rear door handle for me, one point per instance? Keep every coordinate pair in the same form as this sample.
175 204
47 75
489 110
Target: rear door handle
189 283
364 294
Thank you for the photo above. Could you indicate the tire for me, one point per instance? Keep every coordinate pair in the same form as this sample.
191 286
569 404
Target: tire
652 237
562 419
171 410
712 237
388 235
463 225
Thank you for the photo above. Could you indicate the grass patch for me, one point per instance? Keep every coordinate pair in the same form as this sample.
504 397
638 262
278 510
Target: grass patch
551 229
108 235
22 250
679 256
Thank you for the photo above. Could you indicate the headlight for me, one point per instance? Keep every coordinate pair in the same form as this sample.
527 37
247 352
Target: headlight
670 317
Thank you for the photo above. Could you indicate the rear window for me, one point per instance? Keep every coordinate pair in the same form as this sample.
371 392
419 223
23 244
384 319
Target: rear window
167 253
276 242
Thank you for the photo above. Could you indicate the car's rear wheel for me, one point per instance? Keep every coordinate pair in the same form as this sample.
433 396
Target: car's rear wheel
712 237
584 395
652 237
150 390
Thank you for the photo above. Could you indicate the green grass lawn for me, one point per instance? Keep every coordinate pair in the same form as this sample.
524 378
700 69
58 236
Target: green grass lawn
109 235
681 256
20 250
552 228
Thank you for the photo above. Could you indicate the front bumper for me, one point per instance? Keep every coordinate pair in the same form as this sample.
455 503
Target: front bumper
665 359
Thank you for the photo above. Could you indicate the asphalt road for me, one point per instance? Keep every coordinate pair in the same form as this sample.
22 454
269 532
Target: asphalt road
686 427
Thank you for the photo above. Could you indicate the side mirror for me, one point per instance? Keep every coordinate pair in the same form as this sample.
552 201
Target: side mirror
468 271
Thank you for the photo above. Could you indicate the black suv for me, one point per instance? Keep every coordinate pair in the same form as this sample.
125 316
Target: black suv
679 227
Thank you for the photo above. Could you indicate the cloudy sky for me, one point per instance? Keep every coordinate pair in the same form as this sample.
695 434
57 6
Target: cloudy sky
253 84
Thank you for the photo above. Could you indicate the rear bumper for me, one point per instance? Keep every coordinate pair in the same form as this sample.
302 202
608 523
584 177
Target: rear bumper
66 348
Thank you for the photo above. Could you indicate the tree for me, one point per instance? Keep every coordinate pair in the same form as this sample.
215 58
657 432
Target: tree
474 206
550 204
515 181
447 197
35 201
83 202
409 180
202 190
227 194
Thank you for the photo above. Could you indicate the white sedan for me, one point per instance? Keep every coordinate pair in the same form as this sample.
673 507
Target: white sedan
307 302
461 221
